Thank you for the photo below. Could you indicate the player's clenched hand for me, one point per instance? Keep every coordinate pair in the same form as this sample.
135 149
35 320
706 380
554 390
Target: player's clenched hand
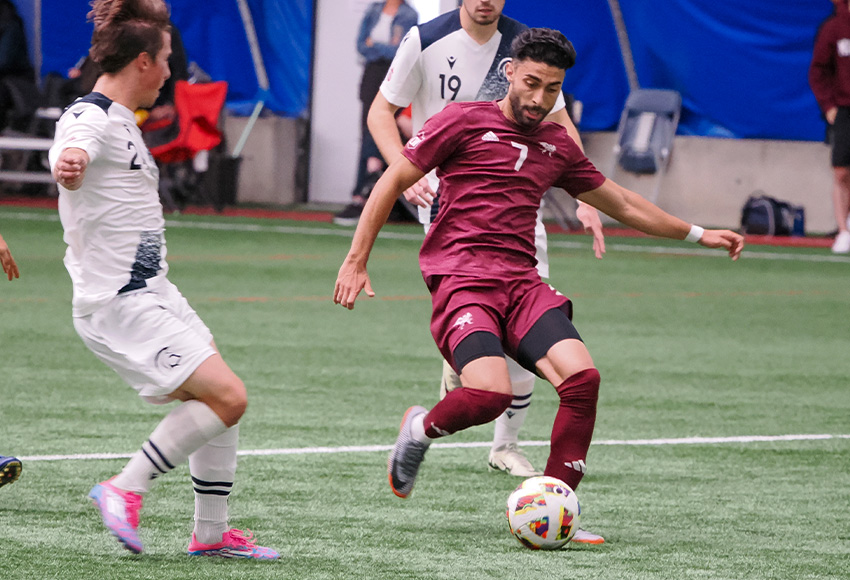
589 218
349 282
725 239
70 168
420 193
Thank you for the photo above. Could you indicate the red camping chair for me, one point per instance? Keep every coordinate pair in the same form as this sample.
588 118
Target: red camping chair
198 109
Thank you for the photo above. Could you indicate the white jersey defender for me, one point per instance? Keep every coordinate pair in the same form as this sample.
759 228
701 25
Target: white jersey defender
113 224
438 63
124 308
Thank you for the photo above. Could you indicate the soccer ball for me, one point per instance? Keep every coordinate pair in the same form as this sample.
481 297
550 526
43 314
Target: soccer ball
543 513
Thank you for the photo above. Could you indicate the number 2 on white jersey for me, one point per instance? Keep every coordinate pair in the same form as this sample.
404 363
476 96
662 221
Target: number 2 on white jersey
523 154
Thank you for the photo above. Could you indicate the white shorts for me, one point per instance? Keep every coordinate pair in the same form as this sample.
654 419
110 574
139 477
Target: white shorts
151 337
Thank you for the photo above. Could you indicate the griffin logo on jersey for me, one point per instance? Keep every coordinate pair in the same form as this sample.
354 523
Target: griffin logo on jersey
547 148
463 320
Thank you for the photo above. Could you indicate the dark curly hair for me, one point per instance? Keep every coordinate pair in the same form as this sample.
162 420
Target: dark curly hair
544 45
124 29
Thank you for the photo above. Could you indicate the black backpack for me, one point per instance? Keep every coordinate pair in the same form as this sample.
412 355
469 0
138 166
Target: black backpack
766 216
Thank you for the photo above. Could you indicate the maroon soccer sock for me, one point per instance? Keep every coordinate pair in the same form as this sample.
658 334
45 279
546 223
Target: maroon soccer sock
463 408
573 428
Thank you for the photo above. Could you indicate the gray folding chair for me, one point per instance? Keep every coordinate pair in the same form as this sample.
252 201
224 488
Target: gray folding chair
645 134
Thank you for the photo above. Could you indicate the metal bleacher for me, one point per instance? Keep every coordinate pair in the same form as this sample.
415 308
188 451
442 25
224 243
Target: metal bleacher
21 170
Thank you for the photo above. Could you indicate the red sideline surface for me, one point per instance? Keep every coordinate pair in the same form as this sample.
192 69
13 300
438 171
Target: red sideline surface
327 217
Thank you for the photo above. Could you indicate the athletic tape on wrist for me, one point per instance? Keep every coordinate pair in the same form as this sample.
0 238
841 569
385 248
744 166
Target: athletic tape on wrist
695 234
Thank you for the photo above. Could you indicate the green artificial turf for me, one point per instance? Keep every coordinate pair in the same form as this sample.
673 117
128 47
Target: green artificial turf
687 345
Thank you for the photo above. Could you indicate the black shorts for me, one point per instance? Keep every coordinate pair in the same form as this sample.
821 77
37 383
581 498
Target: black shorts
841 138
551 328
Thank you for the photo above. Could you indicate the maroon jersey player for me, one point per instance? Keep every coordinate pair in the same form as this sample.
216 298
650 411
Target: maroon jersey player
484 227
495 161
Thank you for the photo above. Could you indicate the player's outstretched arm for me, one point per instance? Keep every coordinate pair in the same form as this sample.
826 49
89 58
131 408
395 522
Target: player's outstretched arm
70 168
382 125
630 208
353 277
7 261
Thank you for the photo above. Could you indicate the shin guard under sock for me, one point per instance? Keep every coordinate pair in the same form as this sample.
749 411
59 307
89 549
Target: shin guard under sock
573 427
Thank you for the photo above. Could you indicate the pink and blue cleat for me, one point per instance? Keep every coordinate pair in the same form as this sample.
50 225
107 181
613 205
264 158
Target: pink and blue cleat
234 544
120 512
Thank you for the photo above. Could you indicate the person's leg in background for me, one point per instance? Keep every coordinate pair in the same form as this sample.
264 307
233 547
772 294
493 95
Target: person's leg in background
373 75
841 183
505 454
841 207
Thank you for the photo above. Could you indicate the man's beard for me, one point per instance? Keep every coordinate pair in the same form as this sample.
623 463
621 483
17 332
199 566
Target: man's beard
519 116
484 21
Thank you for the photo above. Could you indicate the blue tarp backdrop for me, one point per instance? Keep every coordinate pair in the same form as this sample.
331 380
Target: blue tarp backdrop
214 37
741 67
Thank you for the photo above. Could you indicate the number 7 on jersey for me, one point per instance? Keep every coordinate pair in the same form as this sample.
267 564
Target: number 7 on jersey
523 154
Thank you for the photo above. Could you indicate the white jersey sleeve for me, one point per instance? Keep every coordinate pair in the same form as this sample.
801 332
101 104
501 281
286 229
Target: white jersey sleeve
83 126
404 78
561 103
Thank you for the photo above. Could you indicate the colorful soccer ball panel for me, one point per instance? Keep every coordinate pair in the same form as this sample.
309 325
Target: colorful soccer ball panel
543 513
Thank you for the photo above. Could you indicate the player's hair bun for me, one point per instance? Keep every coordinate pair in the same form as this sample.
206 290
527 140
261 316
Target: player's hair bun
106 13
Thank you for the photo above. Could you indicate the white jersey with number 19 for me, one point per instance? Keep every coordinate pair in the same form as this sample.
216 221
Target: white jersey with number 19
438 63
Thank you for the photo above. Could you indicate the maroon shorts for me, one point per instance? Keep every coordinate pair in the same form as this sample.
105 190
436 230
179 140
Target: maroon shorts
507 308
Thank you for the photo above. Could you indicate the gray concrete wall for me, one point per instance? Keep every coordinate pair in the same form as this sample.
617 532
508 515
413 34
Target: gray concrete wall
708 180
267 171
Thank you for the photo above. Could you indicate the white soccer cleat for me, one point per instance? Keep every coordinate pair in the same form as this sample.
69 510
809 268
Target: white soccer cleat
510 459
584 537
841 245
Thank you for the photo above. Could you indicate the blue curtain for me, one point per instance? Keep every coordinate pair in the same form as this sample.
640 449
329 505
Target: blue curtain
214 38
741 67
598 78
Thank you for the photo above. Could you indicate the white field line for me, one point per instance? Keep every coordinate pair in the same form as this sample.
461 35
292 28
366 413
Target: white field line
385 448
418 237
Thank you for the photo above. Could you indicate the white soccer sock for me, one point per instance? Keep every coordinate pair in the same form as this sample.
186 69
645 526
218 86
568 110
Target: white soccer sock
508 424
180 433
212 468
417 429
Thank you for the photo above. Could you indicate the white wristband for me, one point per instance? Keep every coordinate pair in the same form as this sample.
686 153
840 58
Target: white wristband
695 234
